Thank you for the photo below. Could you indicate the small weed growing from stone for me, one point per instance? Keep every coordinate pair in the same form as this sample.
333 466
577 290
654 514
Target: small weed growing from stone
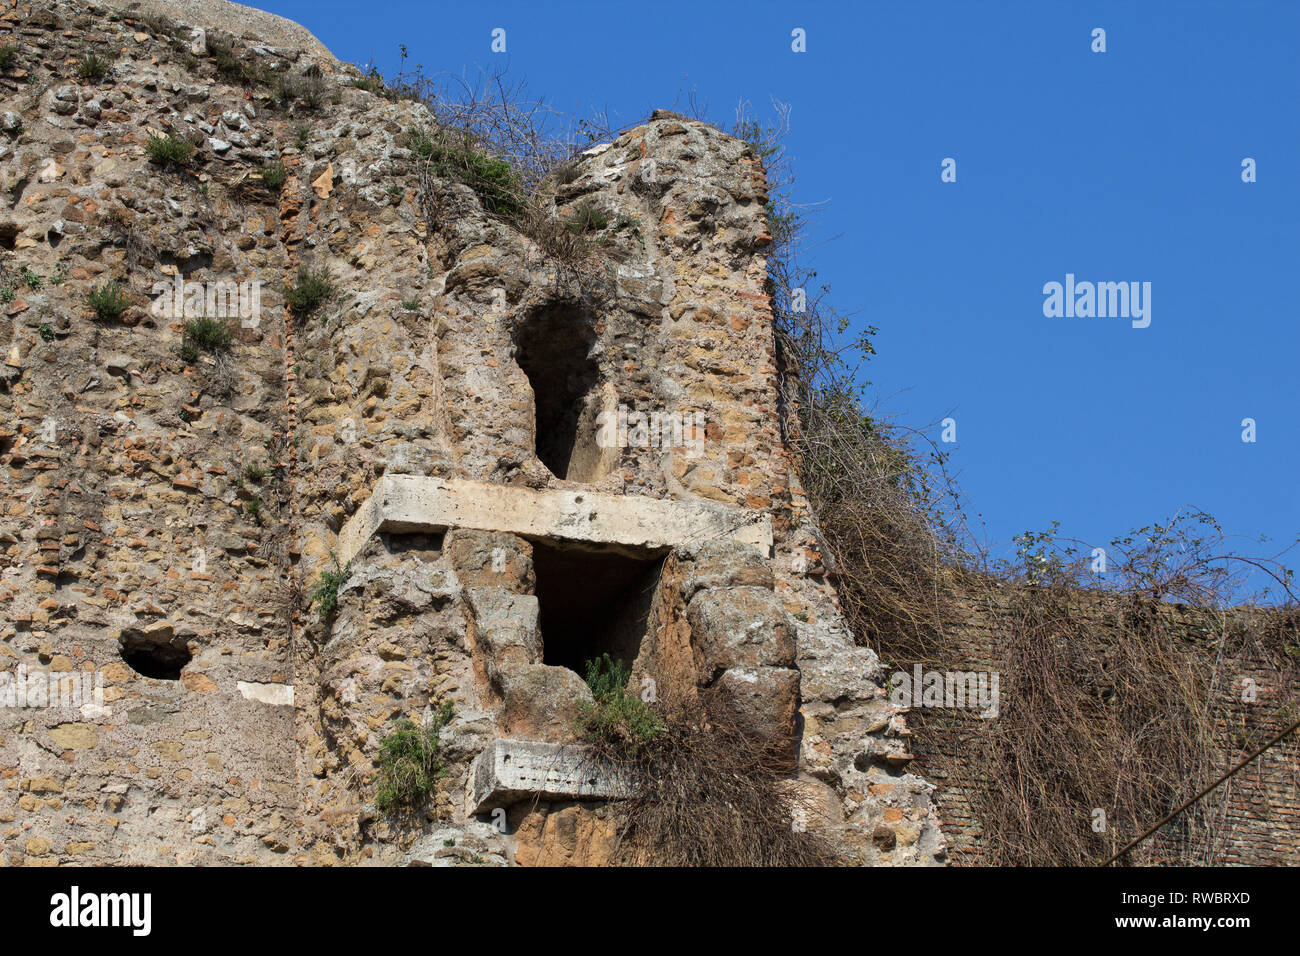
274 175
588 217
410 305
327 589
33 281
454 157
46 331
108 301
93 67
615 718
314 288
160 25
7 56
235 67
309 89
168 150
372 82
410 763
209 335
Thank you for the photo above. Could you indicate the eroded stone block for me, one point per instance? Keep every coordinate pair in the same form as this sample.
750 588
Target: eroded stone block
415 503
512 770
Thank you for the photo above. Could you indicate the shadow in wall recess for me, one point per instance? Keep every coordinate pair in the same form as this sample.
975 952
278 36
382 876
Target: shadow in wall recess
553 347
161 658
593 602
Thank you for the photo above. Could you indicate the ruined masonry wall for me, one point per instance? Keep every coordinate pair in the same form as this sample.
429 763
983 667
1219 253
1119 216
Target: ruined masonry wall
193 505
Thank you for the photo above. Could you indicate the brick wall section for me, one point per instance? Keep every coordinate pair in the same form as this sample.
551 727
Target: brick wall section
1259 807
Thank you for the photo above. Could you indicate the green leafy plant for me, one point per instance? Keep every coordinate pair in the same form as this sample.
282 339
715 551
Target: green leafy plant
301 134
372 82
7 293
168 150
1041 560
615 718
255 473
313 288
8 54
410 763
455 156
46 331
235 65
209 335
274 175
32 280
108 301
587 217
410 305
93 67
327 588
254 506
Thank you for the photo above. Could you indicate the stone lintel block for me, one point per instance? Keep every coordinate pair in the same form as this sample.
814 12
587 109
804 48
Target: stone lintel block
512 770
416 503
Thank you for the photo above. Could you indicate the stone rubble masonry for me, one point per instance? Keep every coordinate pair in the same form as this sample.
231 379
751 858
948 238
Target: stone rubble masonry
194 505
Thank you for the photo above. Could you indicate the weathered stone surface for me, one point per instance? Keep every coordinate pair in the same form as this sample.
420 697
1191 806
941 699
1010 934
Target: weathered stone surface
512 770
833 668
765 700
574 834
505 625
726 564
277 695
540 701
393 439
739 627
411 503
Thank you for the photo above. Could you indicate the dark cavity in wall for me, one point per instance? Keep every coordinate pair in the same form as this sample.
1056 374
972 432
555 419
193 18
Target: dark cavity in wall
161 658
553 347
593 602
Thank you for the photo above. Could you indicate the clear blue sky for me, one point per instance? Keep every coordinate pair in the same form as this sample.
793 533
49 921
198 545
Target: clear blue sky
1115 166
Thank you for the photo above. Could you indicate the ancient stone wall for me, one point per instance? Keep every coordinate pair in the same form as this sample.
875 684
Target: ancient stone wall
169 510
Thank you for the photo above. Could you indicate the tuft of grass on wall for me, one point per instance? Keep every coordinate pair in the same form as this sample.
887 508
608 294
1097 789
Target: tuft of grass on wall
410 763
326 593
313 289
168 151
108 301
92 67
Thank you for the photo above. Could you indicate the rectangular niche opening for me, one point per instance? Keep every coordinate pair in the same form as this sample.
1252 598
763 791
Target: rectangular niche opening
593 601
426 546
